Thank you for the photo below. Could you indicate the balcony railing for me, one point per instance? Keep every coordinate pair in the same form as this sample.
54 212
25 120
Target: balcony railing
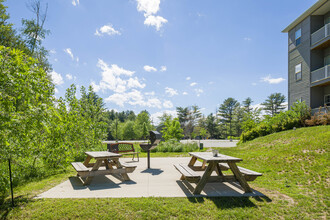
320 34
320 74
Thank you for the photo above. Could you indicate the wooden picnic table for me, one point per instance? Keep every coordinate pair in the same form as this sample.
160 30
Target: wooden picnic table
218 164
109 160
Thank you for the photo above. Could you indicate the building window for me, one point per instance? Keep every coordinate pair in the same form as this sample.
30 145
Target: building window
298 72
298 36
327 99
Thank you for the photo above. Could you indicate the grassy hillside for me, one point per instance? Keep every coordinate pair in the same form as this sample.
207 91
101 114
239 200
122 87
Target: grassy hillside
295 167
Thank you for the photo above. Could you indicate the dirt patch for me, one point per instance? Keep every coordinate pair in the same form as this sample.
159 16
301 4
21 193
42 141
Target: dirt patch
276 196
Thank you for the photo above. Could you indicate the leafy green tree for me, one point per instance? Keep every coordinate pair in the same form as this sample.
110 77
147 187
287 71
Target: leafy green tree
142 118
226 112
25 96
203 132
33 33
172 130
247 104
128 130
8 35
274 104
211 125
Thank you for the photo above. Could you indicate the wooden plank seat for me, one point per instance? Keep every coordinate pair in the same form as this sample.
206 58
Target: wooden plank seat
123 149
187 173
80 168
249 175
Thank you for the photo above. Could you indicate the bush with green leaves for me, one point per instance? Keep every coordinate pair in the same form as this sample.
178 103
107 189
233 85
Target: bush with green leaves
280 122
173 145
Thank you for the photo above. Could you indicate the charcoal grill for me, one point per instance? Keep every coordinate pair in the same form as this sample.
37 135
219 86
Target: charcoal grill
154 137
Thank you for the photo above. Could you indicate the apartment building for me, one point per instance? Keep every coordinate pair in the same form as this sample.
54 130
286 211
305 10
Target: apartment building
309 56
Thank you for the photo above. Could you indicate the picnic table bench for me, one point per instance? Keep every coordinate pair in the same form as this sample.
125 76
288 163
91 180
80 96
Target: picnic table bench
107 160
218 164
123 148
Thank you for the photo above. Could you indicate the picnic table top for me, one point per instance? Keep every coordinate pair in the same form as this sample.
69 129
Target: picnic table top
102 154
208 157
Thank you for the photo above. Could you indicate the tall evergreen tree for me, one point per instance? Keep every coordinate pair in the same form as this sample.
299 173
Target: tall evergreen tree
226 112
274 104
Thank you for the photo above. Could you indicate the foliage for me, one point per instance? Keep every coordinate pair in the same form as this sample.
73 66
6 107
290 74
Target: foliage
226 113
211 126
280 122
173 145
295 169
274 104
319 118
172 130
188 118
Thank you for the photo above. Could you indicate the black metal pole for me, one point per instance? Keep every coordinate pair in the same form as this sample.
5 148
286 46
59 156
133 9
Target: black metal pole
11 184
148 159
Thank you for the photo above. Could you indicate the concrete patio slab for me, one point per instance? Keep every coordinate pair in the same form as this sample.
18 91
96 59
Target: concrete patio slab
162 180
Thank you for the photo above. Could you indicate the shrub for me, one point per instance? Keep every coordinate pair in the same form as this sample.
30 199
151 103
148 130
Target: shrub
319 118
280 122
173 145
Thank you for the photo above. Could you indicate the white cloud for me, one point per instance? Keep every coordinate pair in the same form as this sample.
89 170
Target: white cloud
56 90
171 92
184 93
75 2
134 97
155 116
149 68
106 29
199 92
254 84
211 82
68 76
188 78
163 68
156 21
270 80
193 84
168 104
150 9
69 52
56 78
150 93
116 79
53 51
247 39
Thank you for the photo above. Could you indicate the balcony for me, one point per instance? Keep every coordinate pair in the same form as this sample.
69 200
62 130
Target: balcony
320 36
321 74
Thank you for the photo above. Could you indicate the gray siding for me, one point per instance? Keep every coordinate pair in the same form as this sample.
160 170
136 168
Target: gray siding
299 54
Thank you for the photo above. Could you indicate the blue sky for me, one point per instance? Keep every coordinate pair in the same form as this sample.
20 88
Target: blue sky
161 54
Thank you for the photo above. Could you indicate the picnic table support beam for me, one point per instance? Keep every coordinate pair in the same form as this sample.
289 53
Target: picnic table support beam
95 167
204 179
239 177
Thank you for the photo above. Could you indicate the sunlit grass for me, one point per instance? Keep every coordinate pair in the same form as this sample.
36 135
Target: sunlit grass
295 167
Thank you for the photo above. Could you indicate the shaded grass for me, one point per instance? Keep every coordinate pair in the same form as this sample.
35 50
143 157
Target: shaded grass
295 167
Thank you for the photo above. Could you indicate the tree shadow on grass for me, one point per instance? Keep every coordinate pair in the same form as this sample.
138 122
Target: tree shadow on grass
231 202
6 207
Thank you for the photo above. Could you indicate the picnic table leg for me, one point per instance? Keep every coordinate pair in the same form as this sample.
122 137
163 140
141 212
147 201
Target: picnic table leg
205 177
86 162
218 170
239 177
107 164
192 161
119 166
95 167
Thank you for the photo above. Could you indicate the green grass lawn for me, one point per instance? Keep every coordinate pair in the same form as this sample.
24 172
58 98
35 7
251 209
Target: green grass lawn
295 167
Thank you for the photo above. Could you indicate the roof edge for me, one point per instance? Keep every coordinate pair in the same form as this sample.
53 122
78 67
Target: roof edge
304 15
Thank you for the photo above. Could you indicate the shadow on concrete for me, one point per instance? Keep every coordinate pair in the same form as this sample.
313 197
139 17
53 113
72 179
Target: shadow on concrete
98 183
152 171
218 190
